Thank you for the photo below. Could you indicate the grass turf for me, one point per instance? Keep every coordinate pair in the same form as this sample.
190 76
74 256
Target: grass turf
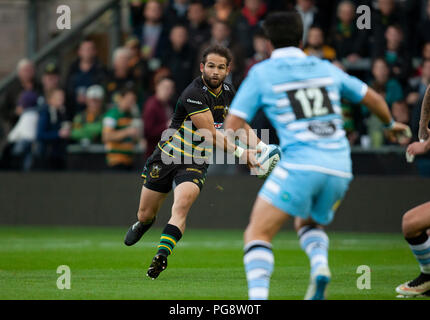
206 264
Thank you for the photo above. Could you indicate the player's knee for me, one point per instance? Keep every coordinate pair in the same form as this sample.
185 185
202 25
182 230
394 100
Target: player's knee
409 225
145 214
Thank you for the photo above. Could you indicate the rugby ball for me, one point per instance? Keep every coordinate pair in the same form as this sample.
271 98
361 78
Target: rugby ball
268 159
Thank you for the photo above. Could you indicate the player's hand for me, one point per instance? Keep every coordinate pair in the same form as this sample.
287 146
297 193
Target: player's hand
399 132
250 156
418 148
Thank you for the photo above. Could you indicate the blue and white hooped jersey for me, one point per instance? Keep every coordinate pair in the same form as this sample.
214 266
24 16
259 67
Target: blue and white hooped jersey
300 96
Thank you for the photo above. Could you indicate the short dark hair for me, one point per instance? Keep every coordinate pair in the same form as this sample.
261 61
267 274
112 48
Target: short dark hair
219 50
284 29
128 88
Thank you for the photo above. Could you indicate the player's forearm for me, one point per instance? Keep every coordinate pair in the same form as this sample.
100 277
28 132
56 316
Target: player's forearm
249 137
377 105
221 141
425 114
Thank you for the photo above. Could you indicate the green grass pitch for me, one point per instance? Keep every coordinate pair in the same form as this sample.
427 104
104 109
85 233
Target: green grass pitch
206 264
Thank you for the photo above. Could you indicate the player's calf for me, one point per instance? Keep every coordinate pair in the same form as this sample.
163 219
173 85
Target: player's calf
314 241
259 261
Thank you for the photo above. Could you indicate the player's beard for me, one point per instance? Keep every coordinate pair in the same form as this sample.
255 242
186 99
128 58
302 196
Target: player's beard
213 83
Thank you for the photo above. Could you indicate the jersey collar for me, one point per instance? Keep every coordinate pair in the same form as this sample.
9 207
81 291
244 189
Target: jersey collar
288 52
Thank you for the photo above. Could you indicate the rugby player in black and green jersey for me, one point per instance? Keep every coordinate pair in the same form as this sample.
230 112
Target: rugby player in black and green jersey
181 159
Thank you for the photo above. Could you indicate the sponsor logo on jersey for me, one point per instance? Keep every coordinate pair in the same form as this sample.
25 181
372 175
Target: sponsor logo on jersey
323 129
194 101
226 88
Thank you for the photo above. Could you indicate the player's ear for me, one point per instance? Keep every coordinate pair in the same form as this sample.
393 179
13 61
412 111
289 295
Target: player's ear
202 66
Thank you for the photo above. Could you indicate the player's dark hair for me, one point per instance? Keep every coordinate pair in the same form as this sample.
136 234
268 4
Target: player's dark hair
219 50
284 29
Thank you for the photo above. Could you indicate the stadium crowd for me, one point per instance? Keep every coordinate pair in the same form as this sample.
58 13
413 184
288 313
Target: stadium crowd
130 102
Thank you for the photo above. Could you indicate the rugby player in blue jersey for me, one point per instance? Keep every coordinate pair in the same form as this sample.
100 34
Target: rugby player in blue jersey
301 96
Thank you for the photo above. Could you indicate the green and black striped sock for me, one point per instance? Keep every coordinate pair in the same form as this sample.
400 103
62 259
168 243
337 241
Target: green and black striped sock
169 238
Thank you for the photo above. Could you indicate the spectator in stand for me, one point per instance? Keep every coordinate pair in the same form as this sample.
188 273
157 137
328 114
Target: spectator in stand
316 46
418 85
9 110
198 28
384 84
121 131
18 152
84 72
180 57
310 15
390 89
50 81
138 67
176 12
425 55
401 113
135 8
162 72
388 13
224 10
248 24
152 34
395 52
417 89
157 113
261 49
221 34
87 125
53 131
120 76
352 116
422 34
348 41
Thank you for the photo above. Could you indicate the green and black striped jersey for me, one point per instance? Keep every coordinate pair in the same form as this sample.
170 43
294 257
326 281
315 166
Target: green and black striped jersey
183 139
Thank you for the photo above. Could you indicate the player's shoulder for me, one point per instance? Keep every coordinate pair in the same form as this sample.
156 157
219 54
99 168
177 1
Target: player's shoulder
228 87
195 90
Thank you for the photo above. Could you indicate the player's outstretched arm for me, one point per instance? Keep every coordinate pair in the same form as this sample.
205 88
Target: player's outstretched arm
377 105
424 132
204 122
250 138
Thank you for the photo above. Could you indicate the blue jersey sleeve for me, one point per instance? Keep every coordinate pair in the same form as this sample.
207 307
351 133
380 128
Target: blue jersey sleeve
247 100
351 88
